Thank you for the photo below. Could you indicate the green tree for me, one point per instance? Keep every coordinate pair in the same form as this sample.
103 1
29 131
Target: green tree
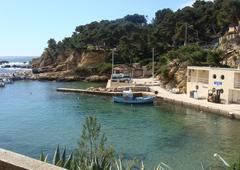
92 150
213 58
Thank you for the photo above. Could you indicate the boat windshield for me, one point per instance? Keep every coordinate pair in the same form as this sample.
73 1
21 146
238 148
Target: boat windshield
128 93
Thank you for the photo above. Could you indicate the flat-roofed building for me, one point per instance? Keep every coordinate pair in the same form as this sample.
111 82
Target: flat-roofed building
203 79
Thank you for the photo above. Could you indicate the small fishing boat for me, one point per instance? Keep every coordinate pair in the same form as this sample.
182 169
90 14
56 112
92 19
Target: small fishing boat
129 98
7 81
2 84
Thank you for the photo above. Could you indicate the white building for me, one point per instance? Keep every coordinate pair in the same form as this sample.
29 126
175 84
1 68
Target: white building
203 79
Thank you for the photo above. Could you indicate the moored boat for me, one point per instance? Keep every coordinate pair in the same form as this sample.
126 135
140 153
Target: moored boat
129 98
2 84
7 81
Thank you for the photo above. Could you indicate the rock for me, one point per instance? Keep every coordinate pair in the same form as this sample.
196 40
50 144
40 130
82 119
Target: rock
91 59
4 62
231 48
63 63
59 76
61 67
172 71
91 88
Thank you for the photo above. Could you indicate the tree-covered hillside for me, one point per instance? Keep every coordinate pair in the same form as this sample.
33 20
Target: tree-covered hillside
133 37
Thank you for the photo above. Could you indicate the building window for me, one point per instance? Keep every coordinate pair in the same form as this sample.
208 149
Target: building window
214 76
222 77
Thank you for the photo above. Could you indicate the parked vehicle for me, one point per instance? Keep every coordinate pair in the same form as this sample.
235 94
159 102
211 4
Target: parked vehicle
121 78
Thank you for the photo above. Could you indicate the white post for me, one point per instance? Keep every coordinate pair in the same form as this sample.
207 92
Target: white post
153 55
197 76
112 61
186 35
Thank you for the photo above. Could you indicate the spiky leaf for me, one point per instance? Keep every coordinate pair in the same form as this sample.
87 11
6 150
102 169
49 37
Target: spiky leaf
56 156
42 157
67 164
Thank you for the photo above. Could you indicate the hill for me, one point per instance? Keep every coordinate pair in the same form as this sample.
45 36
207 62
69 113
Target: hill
133 37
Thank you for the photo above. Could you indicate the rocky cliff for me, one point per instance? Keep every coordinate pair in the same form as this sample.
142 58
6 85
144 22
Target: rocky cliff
176 77
231 49
67 67
177 70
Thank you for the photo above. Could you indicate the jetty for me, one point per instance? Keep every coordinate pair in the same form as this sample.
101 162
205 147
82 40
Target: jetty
93 92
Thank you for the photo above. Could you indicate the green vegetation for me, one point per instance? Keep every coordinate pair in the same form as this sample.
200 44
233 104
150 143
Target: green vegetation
61 159
82 71
92 151
235 165
104 68
188 55
133 37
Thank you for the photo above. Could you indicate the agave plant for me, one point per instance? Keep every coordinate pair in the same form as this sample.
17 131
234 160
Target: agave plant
216 155
134 164
162 166
60 159
235 165
125 165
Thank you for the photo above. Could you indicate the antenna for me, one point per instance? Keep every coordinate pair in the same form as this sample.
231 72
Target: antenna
153 55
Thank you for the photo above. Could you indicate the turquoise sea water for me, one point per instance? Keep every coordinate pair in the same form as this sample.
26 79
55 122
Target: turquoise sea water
34 117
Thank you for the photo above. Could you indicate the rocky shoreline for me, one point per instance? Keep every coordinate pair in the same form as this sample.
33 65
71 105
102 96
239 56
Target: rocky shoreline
67 76
27 74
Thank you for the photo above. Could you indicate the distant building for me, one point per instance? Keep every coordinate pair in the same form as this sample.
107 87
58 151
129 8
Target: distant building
203 79
121 69
136 71
232 33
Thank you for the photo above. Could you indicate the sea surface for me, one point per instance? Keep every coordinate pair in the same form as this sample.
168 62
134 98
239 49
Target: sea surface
19 61
34 117
16 58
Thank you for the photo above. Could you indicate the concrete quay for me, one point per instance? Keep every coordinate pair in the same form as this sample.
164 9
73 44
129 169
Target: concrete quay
228 110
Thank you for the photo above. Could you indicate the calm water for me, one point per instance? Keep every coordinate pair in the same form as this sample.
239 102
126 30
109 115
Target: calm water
34 117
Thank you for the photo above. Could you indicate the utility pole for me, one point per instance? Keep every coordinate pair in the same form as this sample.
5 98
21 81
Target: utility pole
112 62
153 57
186 34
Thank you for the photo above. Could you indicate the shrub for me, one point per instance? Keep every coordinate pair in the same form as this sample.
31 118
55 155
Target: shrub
236 165
104 68
213 59
92 150
163 70
82 71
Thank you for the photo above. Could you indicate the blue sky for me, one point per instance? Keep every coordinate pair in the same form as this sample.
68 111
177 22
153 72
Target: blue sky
26 25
